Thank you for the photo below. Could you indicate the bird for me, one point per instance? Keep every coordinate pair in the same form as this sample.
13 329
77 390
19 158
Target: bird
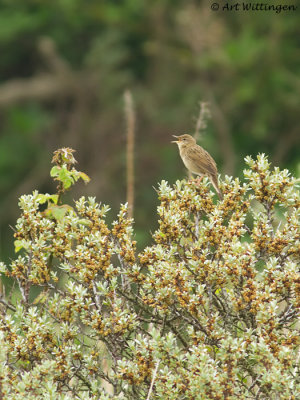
197 160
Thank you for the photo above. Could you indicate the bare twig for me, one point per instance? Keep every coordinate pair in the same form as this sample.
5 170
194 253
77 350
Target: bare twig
9 306
204 114
153 379
130 120
48 51
201 123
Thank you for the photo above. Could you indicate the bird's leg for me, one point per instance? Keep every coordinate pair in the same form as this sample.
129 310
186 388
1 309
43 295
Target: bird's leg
199 179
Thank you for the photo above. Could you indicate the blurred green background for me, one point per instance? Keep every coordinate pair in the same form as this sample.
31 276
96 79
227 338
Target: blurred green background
65 65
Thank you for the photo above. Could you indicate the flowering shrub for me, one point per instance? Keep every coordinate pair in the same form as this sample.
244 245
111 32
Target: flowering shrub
209 311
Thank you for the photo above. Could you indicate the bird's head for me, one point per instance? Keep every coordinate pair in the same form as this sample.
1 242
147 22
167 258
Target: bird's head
184 140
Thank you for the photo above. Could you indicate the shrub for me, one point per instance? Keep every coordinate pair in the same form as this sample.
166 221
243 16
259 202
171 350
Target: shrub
208 311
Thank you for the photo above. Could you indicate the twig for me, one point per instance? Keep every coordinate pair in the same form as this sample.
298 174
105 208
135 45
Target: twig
204 114
23 293
153 379
9 306
130 120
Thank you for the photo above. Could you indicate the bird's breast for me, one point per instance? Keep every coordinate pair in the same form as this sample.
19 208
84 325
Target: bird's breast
190 164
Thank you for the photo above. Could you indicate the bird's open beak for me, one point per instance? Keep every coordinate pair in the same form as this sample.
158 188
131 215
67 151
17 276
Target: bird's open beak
175 141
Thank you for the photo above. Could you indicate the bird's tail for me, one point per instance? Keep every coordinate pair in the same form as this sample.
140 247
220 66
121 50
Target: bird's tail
214 181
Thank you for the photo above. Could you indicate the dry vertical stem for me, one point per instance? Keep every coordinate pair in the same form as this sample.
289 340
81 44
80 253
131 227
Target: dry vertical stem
204 114
153 379
130 121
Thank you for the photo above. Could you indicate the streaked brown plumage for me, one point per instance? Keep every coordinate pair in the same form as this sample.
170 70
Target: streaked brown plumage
197 160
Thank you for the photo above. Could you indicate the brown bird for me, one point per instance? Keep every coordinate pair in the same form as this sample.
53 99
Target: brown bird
197 160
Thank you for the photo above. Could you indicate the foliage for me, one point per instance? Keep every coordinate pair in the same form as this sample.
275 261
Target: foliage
208 311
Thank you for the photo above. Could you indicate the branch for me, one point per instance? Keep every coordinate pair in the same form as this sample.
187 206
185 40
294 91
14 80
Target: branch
130 120
153 379
204 114
60 81
43 87
9 306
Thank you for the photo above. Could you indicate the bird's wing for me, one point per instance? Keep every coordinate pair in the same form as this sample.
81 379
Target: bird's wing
200 158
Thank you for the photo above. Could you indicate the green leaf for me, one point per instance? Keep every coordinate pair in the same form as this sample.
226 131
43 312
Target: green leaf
58 212
66 177
54 171
85 222
62 174
19 245
43 198
41 298
84 177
